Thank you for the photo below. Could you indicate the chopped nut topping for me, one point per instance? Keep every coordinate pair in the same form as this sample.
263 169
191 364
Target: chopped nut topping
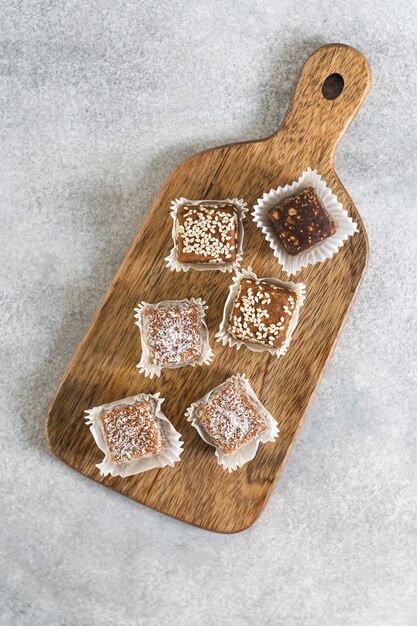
301 222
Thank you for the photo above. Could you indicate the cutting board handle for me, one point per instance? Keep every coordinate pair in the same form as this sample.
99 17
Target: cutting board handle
315 116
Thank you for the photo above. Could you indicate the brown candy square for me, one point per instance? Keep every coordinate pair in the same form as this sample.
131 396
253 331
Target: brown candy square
131 431
301 221
173 333
261 313
207 233
231 417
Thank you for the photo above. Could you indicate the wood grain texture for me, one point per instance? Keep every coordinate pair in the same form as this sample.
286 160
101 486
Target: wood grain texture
103 369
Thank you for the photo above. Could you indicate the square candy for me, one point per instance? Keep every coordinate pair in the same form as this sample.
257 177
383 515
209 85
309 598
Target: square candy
134 435
261 313
131 431
301 222
173 333
207 233
231 417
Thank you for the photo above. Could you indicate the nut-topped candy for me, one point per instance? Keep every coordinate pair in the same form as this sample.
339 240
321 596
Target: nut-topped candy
261 313
207 233
301 221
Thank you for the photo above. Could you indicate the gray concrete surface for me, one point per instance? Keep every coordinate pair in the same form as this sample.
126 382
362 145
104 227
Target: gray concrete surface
100 99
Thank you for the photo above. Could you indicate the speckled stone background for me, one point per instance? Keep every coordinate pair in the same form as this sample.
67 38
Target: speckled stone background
100 99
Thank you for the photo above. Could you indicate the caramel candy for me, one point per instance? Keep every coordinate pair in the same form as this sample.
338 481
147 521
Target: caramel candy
131 431
301 221
173 333
207 233
231 417
261 313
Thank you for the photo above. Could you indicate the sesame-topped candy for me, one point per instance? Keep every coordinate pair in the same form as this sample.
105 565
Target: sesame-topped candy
207 233
261 312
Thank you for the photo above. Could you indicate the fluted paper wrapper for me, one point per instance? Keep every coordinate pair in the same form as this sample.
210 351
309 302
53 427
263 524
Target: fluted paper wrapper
172 259
169 456
151 369
228 340
345 226
247 452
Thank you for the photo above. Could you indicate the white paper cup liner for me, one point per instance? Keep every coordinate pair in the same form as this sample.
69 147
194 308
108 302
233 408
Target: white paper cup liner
151 369
228 340
345 226
169 456
246 452
172 260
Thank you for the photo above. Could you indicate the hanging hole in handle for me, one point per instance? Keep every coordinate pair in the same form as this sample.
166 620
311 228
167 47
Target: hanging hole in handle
333 86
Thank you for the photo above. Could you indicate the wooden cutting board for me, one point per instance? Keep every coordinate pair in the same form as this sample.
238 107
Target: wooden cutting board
103 369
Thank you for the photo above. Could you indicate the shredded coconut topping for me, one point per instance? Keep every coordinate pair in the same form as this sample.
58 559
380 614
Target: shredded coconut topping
131 431
261 313
173 333
207 233
231 417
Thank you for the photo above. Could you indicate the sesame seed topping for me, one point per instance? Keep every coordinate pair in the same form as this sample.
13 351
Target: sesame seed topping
207 233
261 313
